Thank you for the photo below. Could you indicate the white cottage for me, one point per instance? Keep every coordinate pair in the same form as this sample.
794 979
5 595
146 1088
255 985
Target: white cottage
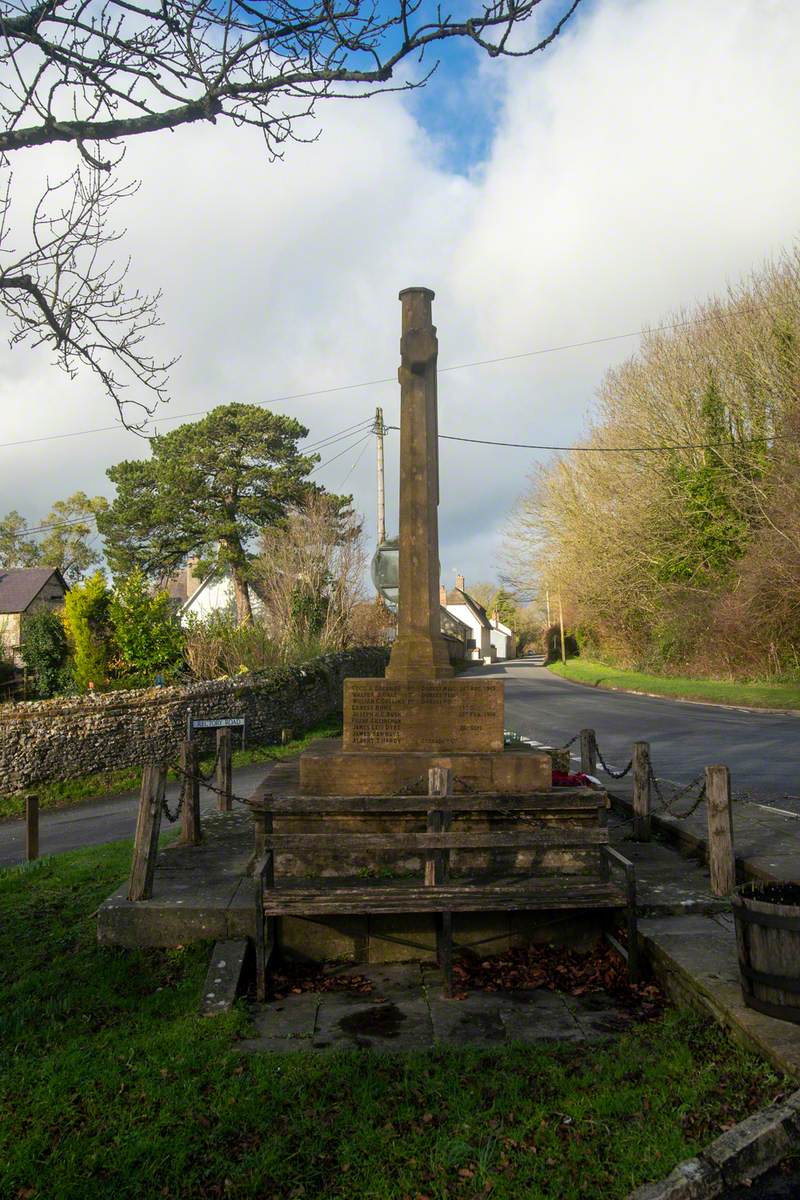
460 604
215 595
502 638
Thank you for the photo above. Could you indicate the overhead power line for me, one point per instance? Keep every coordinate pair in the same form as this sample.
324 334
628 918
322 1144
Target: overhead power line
346 450
364 383
451 437
360 426
59 524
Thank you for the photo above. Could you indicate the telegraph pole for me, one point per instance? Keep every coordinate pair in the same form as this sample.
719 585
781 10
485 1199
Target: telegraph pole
561 626
379 429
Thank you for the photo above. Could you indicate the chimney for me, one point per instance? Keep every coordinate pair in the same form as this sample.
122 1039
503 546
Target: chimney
460 582
442 595
496 617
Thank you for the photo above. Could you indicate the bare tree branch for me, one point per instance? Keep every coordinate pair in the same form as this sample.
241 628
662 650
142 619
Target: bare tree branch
92 72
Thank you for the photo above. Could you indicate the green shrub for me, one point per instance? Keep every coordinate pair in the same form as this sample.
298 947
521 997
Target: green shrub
147 632
86 619
218 646
45 650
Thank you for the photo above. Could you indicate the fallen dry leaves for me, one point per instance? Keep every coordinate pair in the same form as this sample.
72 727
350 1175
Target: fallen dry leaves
559 969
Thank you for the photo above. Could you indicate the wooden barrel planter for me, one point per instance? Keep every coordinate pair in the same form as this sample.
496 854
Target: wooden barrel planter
767 917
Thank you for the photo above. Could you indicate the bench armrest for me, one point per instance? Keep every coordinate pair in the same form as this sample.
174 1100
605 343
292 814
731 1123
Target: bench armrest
615 859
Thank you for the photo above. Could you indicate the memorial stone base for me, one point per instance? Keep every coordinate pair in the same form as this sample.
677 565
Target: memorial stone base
394 731
421 715
329 770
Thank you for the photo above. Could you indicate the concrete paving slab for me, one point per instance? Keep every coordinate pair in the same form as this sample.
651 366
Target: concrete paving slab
473 1021
344 1024
296 1016
598 1016
520 1028
224 977
700 967
387 979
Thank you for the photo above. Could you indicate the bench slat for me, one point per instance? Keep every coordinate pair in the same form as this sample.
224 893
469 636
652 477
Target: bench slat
385 899
561 800
488 840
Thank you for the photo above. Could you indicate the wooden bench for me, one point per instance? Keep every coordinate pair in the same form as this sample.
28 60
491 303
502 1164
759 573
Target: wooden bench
438 893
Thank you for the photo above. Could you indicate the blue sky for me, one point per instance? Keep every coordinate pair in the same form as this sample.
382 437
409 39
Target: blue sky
637 166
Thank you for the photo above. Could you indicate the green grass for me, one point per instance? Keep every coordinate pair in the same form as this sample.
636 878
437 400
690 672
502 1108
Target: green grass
112 1087
750 695
67 792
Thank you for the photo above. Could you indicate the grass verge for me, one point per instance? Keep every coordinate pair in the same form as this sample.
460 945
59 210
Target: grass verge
67 792
112 1086
715 691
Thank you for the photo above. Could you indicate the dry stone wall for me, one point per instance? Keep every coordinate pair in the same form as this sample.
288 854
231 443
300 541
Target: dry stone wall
64 738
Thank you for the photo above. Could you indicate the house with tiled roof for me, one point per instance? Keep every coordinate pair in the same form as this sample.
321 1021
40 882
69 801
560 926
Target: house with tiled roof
23 590
466 608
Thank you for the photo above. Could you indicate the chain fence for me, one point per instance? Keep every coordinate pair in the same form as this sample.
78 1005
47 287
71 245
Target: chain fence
695 790
204 780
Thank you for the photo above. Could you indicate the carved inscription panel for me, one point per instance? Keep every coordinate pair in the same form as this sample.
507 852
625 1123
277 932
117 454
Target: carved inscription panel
451 714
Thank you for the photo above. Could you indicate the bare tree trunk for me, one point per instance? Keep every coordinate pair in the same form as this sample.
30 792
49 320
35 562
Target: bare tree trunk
244 609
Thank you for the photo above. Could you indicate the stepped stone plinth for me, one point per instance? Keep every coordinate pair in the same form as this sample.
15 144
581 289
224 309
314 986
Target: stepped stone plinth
419 716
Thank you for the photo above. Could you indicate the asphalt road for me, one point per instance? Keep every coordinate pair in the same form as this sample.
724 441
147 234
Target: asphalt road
762 749
106 820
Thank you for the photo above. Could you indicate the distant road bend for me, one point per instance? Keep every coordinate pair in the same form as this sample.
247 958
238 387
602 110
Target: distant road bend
762 749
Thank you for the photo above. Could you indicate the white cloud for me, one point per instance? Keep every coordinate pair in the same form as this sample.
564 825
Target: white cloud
641 163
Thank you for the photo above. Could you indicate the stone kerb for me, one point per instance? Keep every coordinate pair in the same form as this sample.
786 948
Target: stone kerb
63 738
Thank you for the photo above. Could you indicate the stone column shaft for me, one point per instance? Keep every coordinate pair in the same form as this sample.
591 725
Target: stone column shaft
420 652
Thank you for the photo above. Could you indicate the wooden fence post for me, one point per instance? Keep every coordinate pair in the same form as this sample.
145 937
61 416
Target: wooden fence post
641 791
721 857
588 752
31 828
190 794
148 827
224 771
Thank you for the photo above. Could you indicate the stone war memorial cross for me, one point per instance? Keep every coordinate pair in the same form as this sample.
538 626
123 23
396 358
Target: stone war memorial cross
419 716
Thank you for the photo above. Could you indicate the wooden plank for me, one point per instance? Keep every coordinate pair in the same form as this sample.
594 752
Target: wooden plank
31 828
190 794
501 839
565 801
148 827
224 780
641 791
721 858
382 901
572 885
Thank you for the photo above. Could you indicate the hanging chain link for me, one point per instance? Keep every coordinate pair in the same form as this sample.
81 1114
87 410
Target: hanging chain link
668 805
608 770
172 817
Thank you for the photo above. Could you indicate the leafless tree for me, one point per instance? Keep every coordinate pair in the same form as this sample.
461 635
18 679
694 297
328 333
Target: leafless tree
65 290
93 73
310 573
